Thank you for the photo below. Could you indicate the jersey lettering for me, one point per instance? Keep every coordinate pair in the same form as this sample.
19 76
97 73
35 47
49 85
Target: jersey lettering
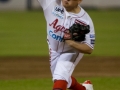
54 23
56 37
92 35
58 11
58 27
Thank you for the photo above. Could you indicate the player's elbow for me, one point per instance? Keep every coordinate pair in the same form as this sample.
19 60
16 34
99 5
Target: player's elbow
89 51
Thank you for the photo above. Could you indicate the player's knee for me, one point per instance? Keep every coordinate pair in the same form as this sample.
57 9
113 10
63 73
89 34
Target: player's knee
58 77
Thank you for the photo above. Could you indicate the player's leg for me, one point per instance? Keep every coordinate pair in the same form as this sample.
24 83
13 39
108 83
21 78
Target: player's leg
73 84
58 84
63 70
76 85
87 85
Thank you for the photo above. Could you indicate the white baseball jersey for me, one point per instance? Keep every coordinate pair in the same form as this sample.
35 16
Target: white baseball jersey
63 57
58 20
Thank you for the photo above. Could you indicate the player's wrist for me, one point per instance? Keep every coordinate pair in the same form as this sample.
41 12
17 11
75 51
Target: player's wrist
69 42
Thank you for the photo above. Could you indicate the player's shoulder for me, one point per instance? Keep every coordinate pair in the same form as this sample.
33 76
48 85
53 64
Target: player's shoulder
84 12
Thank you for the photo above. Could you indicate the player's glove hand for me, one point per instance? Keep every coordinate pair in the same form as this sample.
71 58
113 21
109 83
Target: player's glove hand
76 32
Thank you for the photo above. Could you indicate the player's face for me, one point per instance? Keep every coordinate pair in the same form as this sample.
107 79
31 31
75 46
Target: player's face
69 4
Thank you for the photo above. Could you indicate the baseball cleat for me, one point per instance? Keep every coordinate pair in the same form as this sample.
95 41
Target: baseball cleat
88 85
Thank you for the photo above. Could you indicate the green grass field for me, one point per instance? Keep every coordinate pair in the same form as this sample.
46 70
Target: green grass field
24 33
46 84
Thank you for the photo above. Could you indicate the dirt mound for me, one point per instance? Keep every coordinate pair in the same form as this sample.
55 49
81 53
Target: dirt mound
38 67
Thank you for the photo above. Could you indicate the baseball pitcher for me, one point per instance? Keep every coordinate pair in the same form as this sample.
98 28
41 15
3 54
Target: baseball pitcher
70 35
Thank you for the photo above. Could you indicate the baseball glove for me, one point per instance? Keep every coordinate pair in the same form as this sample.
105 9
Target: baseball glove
76 32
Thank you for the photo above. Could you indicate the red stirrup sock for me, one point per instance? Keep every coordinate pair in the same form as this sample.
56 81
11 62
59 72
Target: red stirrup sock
75 85
60 85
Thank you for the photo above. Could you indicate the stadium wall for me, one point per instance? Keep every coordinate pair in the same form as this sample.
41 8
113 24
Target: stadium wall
23 4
